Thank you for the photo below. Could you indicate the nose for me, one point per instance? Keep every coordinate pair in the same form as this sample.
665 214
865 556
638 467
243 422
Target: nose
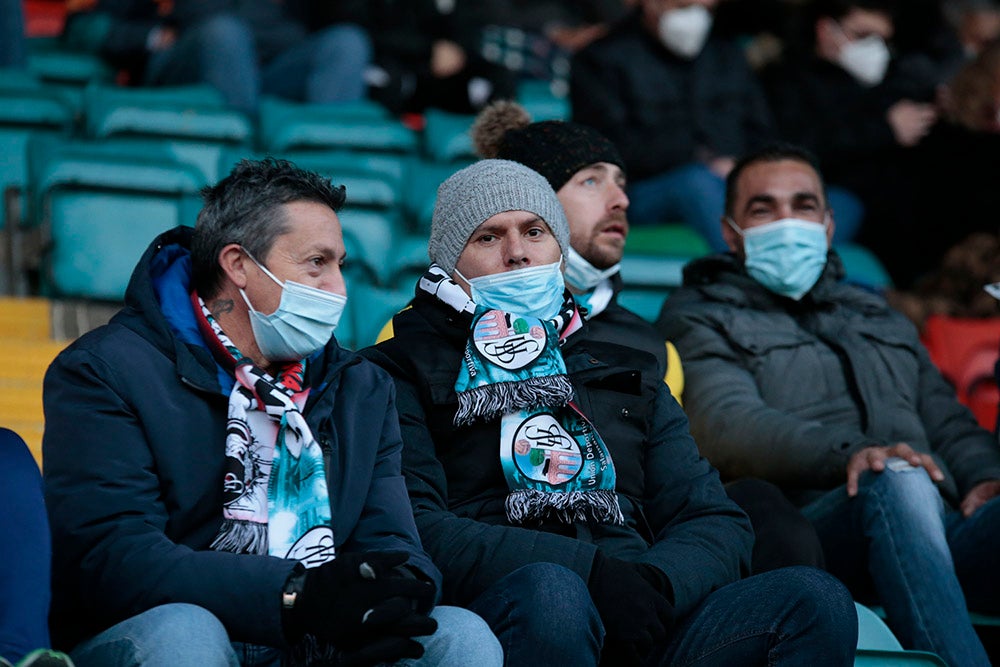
618 200
515 253
335 282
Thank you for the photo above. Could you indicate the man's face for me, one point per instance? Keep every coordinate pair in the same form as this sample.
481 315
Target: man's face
595 203
770 191
311 252
832 35
506 242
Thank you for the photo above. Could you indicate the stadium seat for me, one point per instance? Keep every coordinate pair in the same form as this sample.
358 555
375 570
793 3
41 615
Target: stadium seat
878 646
97 212
541 103
420 191
369 236
361 126
446 136
370 308
669 240
408 262
965 350
862 267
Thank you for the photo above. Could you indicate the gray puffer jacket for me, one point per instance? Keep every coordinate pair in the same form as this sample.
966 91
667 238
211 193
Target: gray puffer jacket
788 391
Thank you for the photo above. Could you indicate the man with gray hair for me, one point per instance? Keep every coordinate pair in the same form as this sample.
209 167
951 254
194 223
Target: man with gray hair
555 486
222 478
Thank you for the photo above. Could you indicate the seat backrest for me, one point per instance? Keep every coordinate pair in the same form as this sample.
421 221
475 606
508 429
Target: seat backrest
966 350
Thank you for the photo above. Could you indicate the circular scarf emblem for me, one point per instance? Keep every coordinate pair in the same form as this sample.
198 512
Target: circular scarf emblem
510 341
544 451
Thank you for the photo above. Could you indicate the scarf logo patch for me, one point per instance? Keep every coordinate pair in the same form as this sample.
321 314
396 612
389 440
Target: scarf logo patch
314 548
545 452
511 342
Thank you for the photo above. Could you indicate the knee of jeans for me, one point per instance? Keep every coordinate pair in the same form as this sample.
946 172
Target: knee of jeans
463 638
816 596
224 32
190 629
902 487
543 591
346 40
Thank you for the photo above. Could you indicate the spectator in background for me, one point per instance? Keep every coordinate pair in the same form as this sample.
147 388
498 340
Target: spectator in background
25 590
976 23
794 376
844 103
244 49
679 104
223 480
426 53
13 46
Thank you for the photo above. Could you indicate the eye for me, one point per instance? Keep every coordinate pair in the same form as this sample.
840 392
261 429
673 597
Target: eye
486 238
535 232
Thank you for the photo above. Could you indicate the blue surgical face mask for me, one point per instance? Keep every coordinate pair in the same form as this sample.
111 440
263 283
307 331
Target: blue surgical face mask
582 275
536 291
786 256
303 323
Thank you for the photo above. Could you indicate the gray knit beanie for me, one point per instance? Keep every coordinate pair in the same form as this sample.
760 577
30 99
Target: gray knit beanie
473 195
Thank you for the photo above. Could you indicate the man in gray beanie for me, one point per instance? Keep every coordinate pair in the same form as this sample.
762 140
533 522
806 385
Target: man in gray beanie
556 487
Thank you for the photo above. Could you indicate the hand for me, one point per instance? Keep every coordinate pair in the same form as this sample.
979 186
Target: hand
910 121
447 59
979 495
636 616
358 597
873 458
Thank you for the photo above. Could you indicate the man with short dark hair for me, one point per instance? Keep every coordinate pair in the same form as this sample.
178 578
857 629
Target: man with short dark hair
554 482
794 376
223 480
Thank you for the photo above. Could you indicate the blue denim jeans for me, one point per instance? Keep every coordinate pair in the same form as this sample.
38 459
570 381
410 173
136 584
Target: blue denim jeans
327 67
27 552
184 634
897 540
543 615
692 194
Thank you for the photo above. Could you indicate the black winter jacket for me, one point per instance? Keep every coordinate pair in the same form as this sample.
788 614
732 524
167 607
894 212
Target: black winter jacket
678 517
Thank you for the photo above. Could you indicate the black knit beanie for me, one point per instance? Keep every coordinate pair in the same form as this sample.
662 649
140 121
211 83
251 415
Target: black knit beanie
556 149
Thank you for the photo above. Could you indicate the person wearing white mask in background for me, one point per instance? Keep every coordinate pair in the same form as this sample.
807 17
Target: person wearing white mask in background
679 102
794 376
847 102
222 479
554 482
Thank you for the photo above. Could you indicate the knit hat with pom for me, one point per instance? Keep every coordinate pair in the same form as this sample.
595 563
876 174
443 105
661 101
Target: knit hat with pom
556 149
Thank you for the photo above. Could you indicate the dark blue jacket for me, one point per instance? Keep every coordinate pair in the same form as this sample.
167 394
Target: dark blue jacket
134 448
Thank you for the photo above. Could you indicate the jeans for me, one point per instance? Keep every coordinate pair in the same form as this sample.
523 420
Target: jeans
543 615
694 195
27 552
897 539
327 67
184 634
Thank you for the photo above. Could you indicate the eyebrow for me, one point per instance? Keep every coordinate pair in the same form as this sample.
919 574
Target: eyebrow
770 199
493 228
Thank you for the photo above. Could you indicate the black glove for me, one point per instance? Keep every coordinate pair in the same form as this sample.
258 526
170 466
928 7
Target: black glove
356 599
636 616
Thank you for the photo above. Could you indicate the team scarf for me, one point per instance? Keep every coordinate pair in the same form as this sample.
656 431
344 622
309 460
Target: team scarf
556 465
275 497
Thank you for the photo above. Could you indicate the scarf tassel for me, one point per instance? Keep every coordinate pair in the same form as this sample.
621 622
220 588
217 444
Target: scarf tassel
492 400
597 506
242 537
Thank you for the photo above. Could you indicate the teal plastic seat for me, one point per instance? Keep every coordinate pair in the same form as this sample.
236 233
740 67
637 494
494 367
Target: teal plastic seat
877 646
408 262
56 65
369 237
361 126
371 307
538 98
99 211
863 267
191 113
446 136
419 191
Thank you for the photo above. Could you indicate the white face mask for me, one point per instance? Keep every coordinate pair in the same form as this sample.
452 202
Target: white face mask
303 323
685 30
865 59
582 275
